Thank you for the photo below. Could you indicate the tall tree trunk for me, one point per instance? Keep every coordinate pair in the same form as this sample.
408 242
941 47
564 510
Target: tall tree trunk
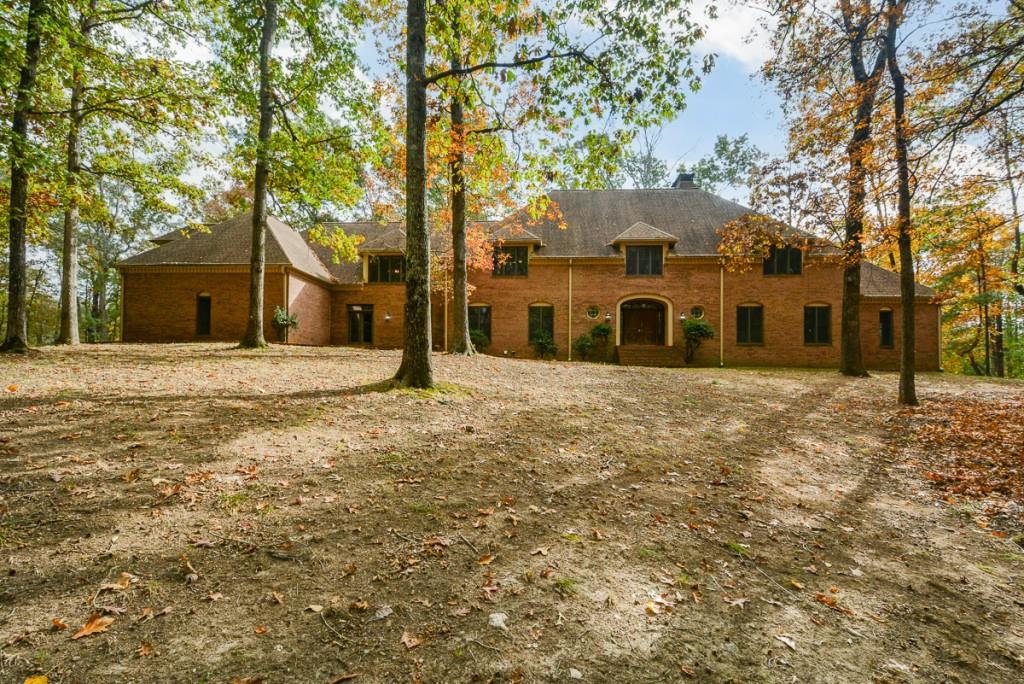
1017 254
907 390
416 368
462 344
16 338
998 346
851 359
69 258
983 311
254 330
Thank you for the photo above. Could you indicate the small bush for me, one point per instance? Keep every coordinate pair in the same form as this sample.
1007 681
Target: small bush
583 345
283 322
695 332
601 332
479 339
544 347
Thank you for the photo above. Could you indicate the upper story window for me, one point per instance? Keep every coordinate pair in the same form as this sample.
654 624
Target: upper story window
386 268
818 324
644 260
511 260
784 261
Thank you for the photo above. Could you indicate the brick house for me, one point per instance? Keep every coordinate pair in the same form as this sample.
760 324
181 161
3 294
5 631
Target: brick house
640 261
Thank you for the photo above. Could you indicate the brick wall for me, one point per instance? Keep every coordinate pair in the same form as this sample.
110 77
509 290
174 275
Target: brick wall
161 306
386 298
926 343
689 284
311 302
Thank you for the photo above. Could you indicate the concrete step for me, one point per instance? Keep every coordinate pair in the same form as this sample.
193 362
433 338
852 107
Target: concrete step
651 355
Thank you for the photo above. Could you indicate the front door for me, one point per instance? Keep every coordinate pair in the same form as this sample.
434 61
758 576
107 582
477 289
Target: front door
643 322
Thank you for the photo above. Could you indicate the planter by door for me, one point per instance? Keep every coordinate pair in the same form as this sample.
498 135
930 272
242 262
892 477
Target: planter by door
643 322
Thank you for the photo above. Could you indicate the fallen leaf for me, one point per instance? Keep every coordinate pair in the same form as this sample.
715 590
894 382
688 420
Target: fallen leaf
260 630
736 602
485 559
215 596
96 624
359 605
277 597
145 649
540 550
124 581
37 679
12 389
315 608
58 625
786 639
345 677
411 641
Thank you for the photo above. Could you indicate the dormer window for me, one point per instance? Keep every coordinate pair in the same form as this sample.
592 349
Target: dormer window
511 260
386 268
784 261
644 260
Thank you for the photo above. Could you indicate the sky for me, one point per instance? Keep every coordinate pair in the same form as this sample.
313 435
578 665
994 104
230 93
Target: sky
733 100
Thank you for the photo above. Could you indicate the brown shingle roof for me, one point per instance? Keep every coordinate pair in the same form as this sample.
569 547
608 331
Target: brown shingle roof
595 218
876 281
230 242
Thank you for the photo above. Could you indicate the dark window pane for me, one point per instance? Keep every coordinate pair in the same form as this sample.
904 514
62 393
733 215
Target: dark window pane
511 261
387 268
817 324
644 260
784 261
360 323
885 327
203 315
480 319
750 325
542 322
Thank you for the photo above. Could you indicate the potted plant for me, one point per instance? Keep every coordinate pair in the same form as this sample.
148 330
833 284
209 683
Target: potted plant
283 323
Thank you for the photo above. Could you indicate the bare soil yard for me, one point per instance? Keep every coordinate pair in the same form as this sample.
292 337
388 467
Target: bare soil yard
213 515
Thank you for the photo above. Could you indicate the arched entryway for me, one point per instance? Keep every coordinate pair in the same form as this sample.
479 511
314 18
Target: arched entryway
644 321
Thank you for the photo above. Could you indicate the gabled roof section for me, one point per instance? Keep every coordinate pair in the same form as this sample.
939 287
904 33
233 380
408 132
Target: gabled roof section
644 232
876 281
230 243
514 235
170 236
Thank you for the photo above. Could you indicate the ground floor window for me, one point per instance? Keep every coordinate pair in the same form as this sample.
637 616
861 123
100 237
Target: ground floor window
480 319
542 321
360 323
750 324
203 314
818 324
885 328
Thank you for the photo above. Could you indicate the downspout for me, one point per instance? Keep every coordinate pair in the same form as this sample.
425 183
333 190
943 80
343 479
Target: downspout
120 323
721 314
287 301
569 342
445 336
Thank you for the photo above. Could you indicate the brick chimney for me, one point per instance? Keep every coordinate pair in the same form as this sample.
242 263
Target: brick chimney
684 181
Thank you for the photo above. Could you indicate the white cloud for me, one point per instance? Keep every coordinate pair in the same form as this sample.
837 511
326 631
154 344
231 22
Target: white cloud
739 32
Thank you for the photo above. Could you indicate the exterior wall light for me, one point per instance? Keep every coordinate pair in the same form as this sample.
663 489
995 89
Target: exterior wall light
387 316
608 316
682 316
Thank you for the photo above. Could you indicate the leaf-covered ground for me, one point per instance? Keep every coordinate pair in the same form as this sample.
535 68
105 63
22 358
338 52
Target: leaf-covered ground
201 514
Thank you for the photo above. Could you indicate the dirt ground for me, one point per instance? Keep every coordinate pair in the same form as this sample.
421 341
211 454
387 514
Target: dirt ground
213 515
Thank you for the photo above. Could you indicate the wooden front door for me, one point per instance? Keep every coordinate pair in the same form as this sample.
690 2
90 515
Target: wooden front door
643 322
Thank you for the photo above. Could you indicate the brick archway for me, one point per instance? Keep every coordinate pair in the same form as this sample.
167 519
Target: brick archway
667 320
